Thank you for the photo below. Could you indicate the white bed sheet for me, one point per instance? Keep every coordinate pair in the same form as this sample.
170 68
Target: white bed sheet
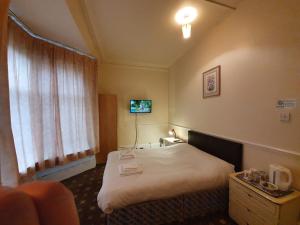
167 173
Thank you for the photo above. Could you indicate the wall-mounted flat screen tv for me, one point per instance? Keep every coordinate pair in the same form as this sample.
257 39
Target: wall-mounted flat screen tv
140 106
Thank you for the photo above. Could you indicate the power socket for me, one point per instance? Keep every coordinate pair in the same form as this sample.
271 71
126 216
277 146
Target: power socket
285 116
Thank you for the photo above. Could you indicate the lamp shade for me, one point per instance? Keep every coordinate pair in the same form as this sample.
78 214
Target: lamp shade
172 133
186 30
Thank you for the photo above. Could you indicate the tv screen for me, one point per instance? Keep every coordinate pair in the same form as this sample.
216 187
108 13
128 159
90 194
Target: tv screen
140 106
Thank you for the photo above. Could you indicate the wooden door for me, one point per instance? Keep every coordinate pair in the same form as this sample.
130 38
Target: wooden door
107 126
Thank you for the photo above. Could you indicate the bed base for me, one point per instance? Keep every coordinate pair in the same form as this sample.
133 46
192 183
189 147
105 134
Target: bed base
178 209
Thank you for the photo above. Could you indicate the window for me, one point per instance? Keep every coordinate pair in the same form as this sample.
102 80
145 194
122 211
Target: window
52 100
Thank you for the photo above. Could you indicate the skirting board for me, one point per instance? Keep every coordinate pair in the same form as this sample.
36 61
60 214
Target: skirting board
66 171
259 156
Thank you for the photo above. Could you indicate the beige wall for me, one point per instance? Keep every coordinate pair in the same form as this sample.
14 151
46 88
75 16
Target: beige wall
137 83
258 48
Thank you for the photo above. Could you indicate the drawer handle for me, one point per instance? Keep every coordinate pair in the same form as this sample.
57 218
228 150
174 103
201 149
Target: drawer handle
250 196
248 210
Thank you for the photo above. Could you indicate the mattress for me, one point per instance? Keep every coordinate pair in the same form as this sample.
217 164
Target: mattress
167 172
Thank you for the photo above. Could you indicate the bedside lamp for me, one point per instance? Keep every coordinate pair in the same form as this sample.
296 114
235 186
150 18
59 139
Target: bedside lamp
172 133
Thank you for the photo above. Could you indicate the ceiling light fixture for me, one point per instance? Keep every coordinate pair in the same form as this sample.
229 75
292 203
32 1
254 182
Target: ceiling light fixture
185 17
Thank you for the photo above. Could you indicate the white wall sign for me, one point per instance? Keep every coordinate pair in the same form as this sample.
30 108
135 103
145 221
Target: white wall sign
286 103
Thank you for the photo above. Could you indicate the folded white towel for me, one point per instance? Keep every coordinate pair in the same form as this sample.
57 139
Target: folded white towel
126 154
130 169
130 166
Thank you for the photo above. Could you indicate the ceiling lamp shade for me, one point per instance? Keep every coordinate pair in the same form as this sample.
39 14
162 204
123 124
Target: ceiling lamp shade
186 30
185 17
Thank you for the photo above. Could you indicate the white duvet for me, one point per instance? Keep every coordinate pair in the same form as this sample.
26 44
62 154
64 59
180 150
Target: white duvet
167 172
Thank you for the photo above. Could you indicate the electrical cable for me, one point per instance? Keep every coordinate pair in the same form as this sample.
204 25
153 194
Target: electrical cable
136 132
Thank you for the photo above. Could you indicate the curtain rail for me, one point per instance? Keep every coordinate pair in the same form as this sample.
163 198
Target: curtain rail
32 34
221 4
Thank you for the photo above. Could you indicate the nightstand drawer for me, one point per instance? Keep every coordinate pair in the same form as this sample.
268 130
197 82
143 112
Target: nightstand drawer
253 201
237 213
243 215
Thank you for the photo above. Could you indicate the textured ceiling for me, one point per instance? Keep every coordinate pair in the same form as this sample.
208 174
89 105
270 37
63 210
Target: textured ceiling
132 32
143 32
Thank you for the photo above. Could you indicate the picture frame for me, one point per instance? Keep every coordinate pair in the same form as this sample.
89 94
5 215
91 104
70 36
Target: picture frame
212 82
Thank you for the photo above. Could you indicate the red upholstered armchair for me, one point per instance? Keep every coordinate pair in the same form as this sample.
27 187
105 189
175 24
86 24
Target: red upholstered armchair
38 203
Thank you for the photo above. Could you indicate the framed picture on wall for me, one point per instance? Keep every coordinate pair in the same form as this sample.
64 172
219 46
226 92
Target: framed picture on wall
211 82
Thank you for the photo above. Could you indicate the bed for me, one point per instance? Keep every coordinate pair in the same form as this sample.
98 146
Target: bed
179 182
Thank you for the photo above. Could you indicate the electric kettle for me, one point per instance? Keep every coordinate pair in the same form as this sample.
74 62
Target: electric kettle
280 176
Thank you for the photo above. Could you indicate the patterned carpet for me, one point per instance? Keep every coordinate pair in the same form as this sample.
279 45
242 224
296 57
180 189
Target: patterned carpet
85 188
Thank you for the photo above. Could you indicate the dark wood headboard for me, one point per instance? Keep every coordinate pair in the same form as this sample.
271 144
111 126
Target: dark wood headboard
229 151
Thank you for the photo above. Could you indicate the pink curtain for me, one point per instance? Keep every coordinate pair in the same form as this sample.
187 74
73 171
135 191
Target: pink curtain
53 100
8 162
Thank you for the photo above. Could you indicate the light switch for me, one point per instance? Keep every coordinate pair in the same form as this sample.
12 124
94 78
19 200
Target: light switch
285 116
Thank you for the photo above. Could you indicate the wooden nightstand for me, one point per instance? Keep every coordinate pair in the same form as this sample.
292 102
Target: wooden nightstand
167 141
250 206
